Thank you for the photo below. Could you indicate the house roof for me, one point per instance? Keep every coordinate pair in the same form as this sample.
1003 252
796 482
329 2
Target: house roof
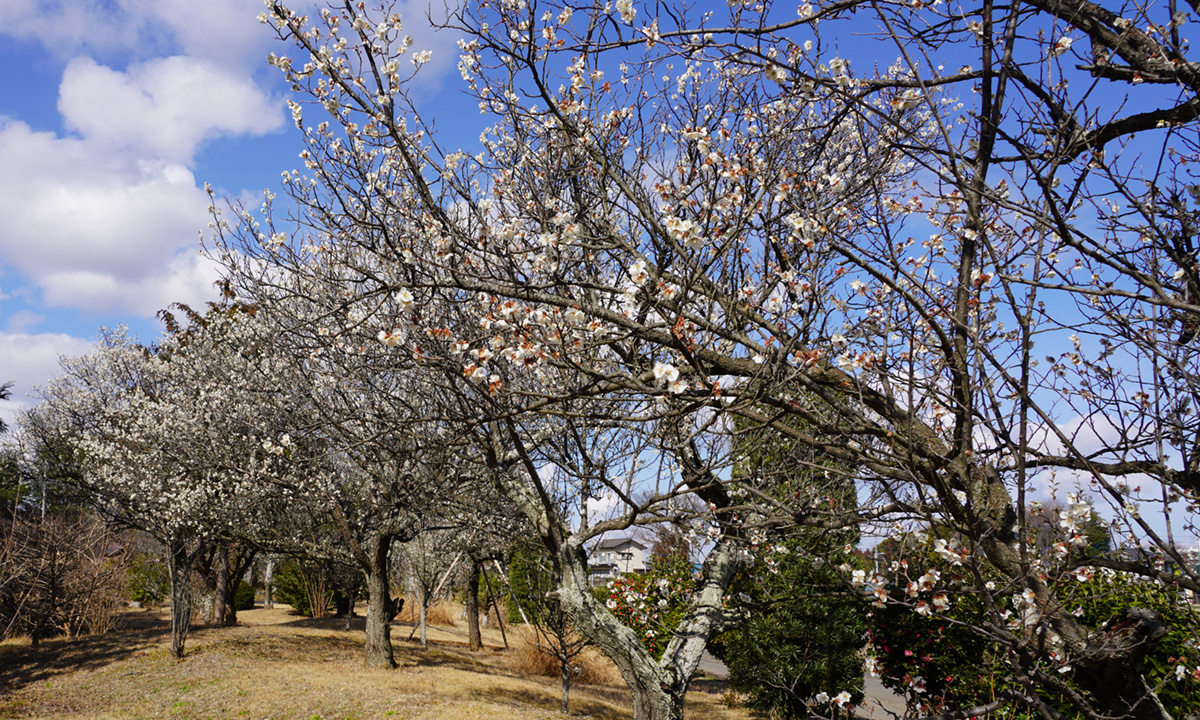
612 543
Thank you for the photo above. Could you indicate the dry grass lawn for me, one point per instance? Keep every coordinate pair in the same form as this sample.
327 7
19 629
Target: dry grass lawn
278 665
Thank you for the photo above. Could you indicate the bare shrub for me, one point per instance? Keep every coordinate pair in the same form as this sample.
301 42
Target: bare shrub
442 612
532 658
63 573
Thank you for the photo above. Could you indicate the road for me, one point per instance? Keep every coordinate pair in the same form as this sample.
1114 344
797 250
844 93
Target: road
880 703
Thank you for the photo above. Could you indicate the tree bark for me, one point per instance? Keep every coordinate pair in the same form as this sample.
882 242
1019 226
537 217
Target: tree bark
221 603
380 607
424 634
245 558
474 638
269 583
565 667
657 689
179 565
1111 670
494 603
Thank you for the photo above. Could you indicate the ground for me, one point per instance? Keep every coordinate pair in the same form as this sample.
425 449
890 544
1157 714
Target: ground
280 666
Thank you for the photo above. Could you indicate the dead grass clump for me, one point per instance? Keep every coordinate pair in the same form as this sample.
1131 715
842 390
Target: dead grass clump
442 612
591 666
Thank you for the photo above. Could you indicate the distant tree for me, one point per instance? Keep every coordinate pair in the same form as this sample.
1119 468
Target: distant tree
60 573
670 542
425 562
170 440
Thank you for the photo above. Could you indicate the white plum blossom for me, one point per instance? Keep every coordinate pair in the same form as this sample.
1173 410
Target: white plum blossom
686 231
627 10
776 73
404 299
665 373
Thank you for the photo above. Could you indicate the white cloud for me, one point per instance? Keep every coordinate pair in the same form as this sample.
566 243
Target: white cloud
163 108
225 32
188 278
67 206
28 359
24 320
221 30
108 220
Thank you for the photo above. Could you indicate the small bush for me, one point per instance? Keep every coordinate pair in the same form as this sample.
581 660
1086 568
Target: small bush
59 574
243 597
591 667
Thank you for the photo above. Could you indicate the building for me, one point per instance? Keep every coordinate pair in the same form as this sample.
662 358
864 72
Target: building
614 557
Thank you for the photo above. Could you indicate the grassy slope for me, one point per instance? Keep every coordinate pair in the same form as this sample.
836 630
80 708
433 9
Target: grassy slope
276 665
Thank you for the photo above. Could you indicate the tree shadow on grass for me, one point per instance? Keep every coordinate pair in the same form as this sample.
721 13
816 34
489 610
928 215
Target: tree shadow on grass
138 632
549 699
330 622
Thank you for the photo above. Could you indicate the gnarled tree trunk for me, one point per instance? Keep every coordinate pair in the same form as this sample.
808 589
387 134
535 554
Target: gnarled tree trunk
1111 669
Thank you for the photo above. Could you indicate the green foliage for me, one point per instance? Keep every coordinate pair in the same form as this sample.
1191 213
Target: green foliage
11 487
803 632
936 656
800 637
653 603
243 597
529 579
1107 592
944 664
149 581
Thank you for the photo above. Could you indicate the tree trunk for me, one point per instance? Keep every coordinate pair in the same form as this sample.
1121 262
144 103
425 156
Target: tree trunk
268 583
474 638
179 565
495 604
380 607
1111 670
566 685
657 688
221 602
424 634
245 558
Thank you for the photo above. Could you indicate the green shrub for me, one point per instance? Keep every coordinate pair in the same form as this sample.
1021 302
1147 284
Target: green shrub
653 603
305 587
1107 592
800 637
958 666
149 581
243 597
799 645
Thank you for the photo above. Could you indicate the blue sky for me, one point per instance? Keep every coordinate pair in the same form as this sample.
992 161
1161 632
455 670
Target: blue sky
113 116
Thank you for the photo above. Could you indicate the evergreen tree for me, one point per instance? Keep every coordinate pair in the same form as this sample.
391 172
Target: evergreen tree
801 638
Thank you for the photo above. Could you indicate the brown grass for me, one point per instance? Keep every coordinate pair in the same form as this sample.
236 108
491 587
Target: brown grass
592 667
279 666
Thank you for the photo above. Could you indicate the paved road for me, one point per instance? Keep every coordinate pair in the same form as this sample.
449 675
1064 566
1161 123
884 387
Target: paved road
880 703
713 667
